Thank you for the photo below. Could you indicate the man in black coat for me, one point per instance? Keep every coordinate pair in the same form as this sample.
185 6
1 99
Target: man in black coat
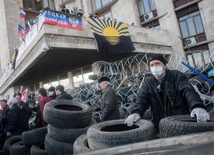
16 123
168 92
108 101
3 122
25 108
4 112
61 94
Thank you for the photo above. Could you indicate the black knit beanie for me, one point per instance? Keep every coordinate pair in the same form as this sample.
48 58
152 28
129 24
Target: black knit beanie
157 57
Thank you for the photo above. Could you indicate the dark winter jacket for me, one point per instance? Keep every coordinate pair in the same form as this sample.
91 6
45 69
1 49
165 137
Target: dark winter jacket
174 96
109 105
16 123
64 95
25 107
4 116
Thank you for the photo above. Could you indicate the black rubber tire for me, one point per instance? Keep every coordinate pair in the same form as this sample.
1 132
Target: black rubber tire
35 136
9 142
19 149
67 135
183 124
116 132
54 147
67 114
38 149
81 145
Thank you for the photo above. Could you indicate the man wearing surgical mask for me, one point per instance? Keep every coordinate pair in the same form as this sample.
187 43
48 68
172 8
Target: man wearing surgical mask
51 92
168 92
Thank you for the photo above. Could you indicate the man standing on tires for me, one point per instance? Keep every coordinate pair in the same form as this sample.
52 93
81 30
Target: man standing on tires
108 100
168 92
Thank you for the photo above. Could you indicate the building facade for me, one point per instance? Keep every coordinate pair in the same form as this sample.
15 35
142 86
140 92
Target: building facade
171 27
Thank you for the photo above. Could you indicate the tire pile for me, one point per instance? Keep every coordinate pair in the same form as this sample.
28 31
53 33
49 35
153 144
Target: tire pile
29 143
66 122
66 119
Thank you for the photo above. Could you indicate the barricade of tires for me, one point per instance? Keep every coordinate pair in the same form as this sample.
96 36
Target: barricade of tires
29 143
67 120
113 133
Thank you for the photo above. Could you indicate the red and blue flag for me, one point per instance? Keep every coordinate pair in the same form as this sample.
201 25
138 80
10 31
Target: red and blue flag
27 26
21 30
22 14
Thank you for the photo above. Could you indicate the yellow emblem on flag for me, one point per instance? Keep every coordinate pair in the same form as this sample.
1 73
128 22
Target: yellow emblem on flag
111 30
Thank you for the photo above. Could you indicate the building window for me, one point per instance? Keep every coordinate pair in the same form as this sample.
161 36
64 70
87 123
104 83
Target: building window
38 5
191 24
198 56
96 4
32 5
48 3
178 3
198 59
145 6
106 15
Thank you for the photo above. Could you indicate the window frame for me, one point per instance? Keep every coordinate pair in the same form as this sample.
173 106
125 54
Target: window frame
144 8
35 4
191 59
193 22
93 4
102 15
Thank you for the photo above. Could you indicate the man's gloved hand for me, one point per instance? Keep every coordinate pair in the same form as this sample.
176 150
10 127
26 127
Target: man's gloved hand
201 114
132 118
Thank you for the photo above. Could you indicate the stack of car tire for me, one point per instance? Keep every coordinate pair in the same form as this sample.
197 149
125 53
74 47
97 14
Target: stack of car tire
29 143
113 133
67 120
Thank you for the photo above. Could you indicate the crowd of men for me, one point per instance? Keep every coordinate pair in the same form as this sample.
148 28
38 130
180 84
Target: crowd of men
14 119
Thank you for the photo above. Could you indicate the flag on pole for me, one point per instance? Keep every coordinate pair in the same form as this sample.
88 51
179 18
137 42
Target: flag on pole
111 36
28 26
24 95
22 14
14 57
21 30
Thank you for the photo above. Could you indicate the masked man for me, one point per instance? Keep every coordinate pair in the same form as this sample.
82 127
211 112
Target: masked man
168 92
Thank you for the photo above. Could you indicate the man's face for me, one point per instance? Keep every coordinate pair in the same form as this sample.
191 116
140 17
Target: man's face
157 68
3 105
102 85
18 98
57 92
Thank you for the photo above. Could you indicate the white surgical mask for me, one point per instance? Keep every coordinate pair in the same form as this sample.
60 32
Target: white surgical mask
50 93
157 70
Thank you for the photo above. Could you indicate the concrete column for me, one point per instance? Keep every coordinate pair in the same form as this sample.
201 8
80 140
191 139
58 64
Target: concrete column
41 84
70 78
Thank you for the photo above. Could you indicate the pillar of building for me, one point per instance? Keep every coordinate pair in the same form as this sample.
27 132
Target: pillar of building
9 11
71 81
41 84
